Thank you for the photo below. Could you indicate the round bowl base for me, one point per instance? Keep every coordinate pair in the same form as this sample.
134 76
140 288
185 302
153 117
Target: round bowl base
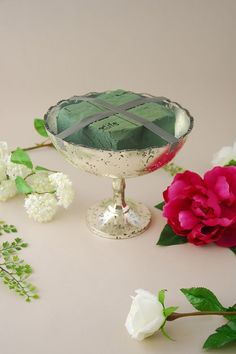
106 220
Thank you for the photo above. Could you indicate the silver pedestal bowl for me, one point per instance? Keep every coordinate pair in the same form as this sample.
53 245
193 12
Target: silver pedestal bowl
118 218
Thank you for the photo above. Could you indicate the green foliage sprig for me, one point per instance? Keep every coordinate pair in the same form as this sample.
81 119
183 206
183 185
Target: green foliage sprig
21 157
205 301
14 271
207 304
4 228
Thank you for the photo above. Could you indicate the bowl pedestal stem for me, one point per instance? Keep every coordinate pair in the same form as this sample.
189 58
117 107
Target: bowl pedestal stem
115 218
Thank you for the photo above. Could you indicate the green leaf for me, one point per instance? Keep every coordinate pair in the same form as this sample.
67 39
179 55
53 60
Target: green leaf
7 228
41 168
169 310
22 186
169 238
14 271
202 299
231 163
233 249
224 335
40 127
160 206
161 296
21 157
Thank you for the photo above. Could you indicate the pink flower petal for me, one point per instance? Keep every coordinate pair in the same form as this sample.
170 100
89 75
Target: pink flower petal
187 220
222 188
202 235
228 238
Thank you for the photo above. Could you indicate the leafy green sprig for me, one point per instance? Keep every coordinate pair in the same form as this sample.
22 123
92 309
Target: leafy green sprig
20 156
5 228
207 304
15 271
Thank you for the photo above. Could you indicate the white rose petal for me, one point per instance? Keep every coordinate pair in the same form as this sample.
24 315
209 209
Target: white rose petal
7 190
225 155
146 315
40 182
64 189
41 207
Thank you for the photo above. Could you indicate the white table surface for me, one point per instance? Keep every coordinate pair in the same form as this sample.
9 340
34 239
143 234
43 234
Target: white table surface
51 50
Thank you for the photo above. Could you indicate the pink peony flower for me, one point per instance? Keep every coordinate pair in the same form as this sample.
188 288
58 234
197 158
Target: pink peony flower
203 209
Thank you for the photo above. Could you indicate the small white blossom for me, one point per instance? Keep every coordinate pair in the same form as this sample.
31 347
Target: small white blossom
15 169
40 182
41 207
225 155
4 151
3 175
64 189
12 170
146 315
7 190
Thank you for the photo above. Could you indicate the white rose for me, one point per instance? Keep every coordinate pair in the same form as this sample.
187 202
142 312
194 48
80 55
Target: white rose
225 155
146 315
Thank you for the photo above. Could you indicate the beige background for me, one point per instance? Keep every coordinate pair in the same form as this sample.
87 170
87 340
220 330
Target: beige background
50 50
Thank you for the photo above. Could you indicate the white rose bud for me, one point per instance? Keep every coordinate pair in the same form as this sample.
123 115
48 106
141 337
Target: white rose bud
146 315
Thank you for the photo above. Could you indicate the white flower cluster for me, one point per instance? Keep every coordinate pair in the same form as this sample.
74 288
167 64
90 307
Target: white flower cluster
41 207
7 181
64 190
50 190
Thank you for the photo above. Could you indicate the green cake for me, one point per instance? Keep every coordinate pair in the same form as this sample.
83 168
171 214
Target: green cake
116 132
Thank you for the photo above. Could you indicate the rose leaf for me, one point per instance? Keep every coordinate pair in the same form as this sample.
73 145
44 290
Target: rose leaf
224 335
169 238
160 206
233 249
202 299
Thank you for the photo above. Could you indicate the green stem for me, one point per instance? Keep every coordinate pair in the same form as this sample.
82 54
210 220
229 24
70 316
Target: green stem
176 315
45 143
38 146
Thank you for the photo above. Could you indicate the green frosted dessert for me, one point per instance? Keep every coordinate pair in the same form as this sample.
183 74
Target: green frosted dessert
116 132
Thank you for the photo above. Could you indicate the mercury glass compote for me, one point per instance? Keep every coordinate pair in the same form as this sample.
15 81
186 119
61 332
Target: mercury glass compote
118 218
